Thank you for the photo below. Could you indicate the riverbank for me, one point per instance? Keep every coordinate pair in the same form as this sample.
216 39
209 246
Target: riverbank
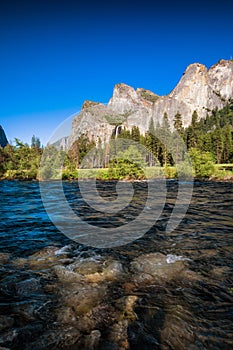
220 173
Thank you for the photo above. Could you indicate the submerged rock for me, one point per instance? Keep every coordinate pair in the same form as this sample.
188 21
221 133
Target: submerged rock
4 257
90 270
66 315
118 335
83 299
20 262
126 305
28 287
156 267
56 339
111 272
177 332
46 258
6 322
101 317
91 341
25 311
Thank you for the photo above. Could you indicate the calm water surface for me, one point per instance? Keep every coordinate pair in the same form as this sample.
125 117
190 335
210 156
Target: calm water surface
188 310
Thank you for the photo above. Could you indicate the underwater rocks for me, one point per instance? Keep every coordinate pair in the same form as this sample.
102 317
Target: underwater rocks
6 322
70 299
90 270
4 257
156 267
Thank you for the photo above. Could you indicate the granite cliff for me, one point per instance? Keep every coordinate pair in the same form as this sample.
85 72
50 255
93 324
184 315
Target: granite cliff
3 139
199 89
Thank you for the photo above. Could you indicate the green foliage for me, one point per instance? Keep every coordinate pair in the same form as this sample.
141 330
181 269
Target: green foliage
35 142
222 174
124 169
19 161
192 132
185 170
170 172
203 163
178 124
128 164
135 134
148 96
117 119
154 172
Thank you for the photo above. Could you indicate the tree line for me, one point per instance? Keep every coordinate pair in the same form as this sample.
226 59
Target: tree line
208 141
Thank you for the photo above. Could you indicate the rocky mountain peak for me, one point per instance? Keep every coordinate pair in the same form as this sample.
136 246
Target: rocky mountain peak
88 104
124 98
3 139
200 89
122 90
221 79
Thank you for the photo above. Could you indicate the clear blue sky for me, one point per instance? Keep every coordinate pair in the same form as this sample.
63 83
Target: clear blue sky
56 54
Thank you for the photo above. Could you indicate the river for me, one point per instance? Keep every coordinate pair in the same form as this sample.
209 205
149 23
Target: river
161 291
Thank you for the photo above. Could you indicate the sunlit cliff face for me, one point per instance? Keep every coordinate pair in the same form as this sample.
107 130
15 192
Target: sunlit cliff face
199 89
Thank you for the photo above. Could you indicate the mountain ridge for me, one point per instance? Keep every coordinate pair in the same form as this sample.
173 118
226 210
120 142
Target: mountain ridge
199 89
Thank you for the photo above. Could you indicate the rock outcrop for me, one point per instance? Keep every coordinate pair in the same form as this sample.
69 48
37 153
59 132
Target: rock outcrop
3 139
199 89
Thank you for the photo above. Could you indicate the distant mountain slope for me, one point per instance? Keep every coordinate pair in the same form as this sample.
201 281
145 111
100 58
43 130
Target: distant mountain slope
199 89
3 139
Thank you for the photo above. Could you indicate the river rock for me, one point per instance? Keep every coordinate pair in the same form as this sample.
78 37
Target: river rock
177 332
4 257
118 335
89 271
67 276
20 262
8 336
28 287
6 322
60 338
84 298
46 258
91 341
156 267
126 305
25 311
101 317
66 315
111 272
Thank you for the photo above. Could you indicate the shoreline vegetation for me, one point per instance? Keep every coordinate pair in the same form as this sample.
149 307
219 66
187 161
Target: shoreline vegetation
220 173
203 151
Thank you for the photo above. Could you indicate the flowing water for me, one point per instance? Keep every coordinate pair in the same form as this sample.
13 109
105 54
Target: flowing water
162 291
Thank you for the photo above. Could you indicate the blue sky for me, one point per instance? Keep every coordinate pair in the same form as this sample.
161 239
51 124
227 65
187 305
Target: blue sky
56 54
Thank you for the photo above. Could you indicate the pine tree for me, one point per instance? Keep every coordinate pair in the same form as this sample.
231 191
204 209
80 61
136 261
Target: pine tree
218 144
165 135
151 143
178 124
227 144
135 133
177 138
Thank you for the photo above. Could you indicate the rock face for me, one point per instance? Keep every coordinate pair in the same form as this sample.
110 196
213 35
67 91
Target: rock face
199 89
61 143
3 139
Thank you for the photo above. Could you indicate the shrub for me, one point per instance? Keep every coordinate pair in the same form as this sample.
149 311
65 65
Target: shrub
203 163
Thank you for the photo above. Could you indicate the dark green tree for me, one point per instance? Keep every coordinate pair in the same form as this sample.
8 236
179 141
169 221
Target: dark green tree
135 133
178 124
